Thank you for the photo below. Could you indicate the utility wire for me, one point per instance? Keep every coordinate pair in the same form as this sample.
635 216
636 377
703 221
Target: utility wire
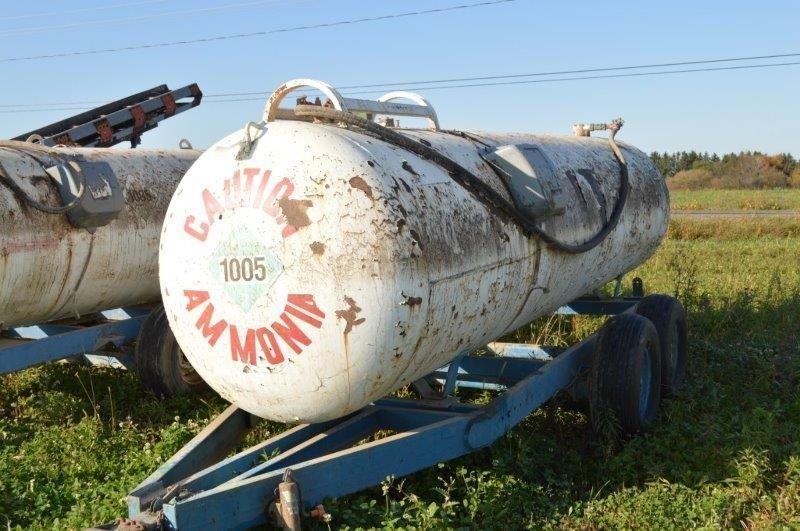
258 33
533 81
84 10
182 13
535 74
450 80
582 78
471 85
581 71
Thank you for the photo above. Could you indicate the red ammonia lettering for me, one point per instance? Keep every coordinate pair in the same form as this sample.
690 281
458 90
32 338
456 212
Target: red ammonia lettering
305 302
211 332
194 298
246 353
272 352
243 342
291 333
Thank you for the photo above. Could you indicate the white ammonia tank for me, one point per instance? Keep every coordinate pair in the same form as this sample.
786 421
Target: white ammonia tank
73 261
310 268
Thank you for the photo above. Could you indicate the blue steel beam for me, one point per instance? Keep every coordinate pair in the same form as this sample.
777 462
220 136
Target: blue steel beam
65 344
508 409
235 493
216 440
244 504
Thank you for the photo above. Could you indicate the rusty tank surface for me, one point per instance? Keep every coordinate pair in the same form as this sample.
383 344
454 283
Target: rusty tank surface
310 263
62 257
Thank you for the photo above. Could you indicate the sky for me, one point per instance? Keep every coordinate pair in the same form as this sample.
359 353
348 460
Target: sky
719 111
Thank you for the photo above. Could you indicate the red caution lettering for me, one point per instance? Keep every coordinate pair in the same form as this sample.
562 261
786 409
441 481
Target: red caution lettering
235 194
200 233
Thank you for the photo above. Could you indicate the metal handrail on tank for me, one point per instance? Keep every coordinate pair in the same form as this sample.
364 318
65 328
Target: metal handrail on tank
385 105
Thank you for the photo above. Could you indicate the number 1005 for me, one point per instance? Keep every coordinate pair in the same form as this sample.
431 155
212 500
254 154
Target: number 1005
244 269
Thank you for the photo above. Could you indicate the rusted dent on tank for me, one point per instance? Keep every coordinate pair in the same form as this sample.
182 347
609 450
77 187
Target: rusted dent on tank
409 301
295 211
350 315
318 248
359 183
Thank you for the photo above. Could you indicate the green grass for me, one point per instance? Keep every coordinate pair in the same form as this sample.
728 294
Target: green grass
725 453
776 199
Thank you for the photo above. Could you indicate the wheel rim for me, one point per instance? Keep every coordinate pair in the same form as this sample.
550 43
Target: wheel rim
188 374
645 380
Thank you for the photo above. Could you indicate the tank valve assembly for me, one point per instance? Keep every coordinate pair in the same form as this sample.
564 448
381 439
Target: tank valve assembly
586 129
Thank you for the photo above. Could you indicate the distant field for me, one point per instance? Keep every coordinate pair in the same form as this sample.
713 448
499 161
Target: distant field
777 199
724 454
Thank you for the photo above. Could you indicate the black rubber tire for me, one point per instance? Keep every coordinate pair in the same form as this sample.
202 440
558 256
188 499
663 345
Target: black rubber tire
160 363
669 318
625 347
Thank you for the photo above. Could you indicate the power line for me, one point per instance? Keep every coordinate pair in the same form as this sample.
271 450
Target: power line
581 71
83 10
535 74
582 78
52 104
535 81
9 111
259 33
494 84
185 12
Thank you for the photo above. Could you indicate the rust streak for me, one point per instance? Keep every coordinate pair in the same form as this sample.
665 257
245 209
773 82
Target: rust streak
350 315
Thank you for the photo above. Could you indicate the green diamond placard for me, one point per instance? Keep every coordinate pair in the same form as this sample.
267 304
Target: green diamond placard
244 267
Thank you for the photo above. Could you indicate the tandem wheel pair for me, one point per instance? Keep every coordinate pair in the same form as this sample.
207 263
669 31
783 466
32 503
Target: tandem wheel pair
639 358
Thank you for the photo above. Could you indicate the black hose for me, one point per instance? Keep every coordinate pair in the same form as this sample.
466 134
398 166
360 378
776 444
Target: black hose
482 191
47 209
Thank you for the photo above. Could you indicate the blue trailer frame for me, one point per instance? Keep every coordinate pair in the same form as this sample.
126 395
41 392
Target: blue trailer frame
201 488
25 347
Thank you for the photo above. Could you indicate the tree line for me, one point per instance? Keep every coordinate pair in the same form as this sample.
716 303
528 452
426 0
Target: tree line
690 170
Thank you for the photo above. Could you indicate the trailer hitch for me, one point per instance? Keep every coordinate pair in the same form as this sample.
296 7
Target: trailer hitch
287 507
